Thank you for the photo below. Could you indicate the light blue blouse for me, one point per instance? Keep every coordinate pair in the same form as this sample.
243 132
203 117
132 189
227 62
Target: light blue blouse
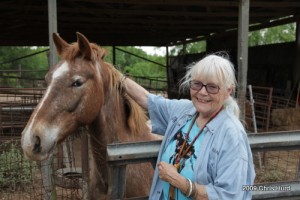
226 162
187 164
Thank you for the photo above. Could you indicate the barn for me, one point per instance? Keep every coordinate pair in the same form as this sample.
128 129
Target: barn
273 70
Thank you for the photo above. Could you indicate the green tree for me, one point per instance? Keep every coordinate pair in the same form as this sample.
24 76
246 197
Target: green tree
190 48
136 65
277 34
25 62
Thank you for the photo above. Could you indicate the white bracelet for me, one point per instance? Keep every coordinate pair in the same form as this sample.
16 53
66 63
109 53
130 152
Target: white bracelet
190 188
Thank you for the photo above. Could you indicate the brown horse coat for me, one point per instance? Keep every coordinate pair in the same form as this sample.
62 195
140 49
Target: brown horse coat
85 90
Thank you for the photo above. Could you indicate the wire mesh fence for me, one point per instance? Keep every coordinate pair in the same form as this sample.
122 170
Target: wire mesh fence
266 107
156 85
23 179
277 166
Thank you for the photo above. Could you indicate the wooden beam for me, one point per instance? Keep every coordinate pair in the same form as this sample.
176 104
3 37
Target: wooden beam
52 18
242 55
296 71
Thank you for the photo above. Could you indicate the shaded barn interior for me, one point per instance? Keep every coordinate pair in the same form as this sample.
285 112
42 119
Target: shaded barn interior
268 66
272 72
151 23
134 22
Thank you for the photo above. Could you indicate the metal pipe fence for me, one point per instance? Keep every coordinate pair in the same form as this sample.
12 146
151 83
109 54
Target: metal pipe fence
121 154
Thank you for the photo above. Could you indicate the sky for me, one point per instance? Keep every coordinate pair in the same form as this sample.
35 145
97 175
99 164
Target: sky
154 50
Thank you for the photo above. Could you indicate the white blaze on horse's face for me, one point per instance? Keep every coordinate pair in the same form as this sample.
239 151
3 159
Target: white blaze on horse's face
41 135
59 72
74 97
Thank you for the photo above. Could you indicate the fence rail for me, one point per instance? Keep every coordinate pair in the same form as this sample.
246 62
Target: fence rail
121 154
16 104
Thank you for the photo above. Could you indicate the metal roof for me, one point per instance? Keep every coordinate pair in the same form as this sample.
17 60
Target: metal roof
135 22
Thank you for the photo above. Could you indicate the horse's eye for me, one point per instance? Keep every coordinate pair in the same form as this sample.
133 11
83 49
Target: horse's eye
77 83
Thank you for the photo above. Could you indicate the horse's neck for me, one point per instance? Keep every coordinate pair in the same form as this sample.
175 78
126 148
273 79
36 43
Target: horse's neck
106 129
110 125
112 120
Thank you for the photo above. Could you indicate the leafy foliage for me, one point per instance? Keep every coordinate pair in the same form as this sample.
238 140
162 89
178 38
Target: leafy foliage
190 48
15 58
136 65
278 34
25 62
15 171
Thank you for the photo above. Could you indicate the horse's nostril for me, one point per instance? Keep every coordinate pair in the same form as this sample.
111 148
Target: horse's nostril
37 145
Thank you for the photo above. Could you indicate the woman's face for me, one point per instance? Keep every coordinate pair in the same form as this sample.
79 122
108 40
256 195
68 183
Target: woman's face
210 98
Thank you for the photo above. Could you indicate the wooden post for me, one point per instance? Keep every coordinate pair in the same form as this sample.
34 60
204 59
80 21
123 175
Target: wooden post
167 67
296 70
85 164
47 168
52 23
117 182
48 179
242 54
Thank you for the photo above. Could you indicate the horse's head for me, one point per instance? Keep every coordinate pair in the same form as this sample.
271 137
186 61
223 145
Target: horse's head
73 97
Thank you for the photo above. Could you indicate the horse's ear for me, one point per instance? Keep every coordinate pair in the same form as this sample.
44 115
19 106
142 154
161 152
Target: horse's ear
60 44
84 46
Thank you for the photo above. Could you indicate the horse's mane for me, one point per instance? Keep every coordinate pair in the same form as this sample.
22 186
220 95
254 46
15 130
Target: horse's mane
136 117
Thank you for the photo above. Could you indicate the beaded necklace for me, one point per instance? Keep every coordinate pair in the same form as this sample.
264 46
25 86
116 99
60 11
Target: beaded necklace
183 152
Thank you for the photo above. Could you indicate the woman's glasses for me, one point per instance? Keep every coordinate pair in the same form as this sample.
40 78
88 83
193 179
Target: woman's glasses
210 88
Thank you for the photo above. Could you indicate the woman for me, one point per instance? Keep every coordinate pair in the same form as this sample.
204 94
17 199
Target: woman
205 152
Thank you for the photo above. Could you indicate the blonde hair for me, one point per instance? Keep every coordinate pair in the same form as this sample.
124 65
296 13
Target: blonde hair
215 66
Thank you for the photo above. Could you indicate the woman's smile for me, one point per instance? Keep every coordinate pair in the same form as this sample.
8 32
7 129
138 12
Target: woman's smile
203 100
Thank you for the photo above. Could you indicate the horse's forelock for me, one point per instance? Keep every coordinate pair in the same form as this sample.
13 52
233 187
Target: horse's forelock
72 52
99 52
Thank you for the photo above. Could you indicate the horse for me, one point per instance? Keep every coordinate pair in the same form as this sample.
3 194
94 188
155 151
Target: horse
84 90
